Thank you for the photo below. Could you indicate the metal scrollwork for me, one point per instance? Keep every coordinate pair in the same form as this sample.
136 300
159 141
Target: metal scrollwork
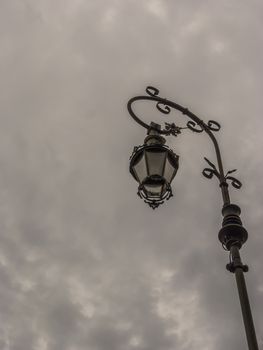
234 182
199 127
213 125
194 126
210 172
163 108
135 149
152 91
154 203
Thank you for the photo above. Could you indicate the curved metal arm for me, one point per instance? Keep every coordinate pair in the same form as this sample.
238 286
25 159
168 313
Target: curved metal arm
196 125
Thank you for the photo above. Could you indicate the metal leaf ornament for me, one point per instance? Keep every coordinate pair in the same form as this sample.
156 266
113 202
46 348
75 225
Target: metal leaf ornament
172 129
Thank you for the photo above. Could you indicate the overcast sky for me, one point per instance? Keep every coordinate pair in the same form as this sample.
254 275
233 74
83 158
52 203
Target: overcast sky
84 263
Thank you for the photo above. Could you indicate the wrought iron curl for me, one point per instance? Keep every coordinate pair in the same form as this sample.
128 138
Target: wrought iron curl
194 126
210 172
161 105
234 181
163 108
213 125
152 91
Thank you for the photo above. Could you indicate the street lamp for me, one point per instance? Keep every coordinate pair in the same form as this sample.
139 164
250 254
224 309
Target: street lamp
154 165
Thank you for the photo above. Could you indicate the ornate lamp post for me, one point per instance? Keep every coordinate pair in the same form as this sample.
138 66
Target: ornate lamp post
154 165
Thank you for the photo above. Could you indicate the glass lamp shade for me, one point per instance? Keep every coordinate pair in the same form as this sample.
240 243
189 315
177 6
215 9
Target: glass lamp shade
154 167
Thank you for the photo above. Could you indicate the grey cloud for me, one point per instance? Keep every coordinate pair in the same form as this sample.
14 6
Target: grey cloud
84 263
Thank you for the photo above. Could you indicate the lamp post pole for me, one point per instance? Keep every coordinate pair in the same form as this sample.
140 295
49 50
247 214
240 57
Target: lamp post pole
232 235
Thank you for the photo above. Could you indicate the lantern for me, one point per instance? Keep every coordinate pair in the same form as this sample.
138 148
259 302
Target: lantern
154 166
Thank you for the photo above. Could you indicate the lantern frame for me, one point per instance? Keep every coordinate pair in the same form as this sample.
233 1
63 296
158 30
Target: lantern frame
140 152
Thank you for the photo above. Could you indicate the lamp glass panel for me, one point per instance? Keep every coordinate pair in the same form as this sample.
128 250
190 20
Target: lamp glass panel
155 160
140 168
169 171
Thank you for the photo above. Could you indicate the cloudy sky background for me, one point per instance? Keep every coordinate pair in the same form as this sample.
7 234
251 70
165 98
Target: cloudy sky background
84 263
